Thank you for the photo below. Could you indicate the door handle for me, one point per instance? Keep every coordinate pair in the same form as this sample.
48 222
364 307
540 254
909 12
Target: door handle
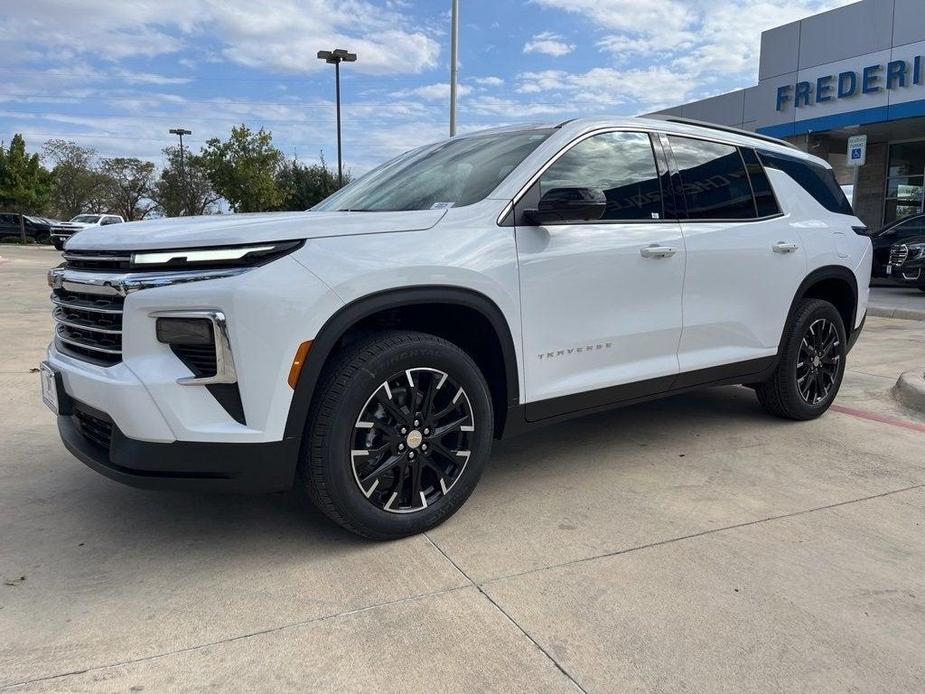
785 247
656 251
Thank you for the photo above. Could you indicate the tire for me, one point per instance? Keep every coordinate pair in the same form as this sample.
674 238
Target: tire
801 386
363 401
59 245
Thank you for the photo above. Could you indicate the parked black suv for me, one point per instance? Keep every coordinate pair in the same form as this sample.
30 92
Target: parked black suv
899 252
37 228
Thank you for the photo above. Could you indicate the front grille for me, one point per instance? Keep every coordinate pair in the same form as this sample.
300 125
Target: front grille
94 428
98 260
899 254
88 326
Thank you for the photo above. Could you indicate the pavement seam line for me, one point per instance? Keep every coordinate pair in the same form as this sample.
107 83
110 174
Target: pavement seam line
517 626
693 536
231 639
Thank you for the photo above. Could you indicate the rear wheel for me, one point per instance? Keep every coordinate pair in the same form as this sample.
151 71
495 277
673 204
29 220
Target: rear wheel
811 366
398 435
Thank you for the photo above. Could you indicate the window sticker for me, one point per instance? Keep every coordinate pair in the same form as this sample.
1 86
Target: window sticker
442 205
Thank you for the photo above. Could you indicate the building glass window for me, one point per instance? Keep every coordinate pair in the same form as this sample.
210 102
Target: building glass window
620 164
905 182
714 179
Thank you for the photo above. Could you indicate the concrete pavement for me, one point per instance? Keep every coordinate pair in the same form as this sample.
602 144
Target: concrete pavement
688 544
897 302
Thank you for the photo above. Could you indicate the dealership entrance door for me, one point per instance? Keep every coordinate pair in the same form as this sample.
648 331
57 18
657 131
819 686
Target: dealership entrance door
905 181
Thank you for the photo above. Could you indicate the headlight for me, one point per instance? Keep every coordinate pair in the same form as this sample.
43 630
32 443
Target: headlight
217 257
916 250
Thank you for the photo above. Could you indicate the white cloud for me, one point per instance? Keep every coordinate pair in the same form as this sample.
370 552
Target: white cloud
433 92
548 43
490 81
283 35
134 77
605 87
692 44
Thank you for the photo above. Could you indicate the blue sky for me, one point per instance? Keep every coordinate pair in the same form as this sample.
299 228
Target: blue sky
116 75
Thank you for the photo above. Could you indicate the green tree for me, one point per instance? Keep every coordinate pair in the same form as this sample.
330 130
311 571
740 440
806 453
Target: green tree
243 169
130 186
185 190
24 183
305 185
77 183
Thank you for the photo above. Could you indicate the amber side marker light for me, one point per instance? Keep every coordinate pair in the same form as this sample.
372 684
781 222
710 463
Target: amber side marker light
301 354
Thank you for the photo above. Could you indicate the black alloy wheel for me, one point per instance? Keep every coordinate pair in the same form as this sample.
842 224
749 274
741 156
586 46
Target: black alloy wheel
819 361
398 434
811 363
411 441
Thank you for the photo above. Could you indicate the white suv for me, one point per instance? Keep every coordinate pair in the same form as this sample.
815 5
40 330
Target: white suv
369 350
62 231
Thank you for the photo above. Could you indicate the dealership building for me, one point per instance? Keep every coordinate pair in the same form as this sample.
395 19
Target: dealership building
858 73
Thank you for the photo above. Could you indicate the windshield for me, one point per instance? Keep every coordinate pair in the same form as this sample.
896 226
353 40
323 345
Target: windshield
86 218
449 174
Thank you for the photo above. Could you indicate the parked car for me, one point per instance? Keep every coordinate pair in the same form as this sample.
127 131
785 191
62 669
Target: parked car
369 350
906 262
38 229
898 252
64 230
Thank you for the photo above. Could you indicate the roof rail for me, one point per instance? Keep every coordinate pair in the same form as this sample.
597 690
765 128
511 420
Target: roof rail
722 128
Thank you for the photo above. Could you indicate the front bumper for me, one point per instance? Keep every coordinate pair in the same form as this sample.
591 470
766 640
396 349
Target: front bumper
92 437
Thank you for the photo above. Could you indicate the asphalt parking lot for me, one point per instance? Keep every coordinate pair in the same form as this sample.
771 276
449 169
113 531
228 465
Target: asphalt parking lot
691 544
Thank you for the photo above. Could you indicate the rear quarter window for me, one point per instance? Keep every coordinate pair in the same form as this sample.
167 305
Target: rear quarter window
815 179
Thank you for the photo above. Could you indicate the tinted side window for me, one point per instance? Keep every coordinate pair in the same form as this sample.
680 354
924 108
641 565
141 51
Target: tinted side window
714 179
761 186
622 165
816 180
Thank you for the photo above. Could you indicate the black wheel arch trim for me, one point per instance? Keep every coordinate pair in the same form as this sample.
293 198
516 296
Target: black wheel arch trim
357 310
821 274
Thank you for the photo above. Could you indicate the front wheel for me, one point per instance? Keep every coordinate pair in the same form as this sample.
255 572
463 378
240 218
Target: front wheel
398 435
811 366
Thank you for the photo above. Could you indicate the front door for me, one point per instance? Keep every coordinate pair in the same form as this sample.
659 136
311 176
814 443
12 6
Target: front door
601 301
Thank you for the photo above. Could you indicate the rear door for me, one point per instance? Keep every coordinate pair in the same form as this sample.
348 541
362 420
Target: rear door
744 261
601 312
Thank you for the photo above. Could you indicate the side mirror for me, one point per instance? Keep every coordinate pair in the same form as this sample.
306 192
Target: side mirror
569 205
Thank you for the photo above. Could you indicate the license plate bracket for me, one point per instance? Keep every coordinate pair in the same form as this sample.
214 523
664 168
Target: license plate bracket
53 394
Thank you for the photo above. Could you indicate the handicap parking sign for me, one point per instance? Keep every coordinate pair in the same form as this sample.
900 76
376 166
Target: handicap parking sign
857 150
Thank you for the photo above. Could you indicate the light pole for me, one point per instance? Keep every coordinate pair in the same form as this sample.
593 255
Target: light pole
183 183
335 58
454 64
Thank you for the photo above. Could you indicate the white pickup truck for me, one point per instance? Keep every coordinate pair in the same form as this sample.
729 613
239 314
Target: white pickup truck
62 232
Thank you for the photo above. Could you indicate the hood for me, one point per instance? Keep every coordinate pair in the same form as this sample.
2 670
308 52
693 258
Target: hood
223 230
909 241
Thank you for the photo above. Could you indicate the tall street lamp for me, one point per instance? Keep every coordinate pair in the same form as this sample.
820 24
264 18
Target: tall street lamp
335 58
454 63
183 183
